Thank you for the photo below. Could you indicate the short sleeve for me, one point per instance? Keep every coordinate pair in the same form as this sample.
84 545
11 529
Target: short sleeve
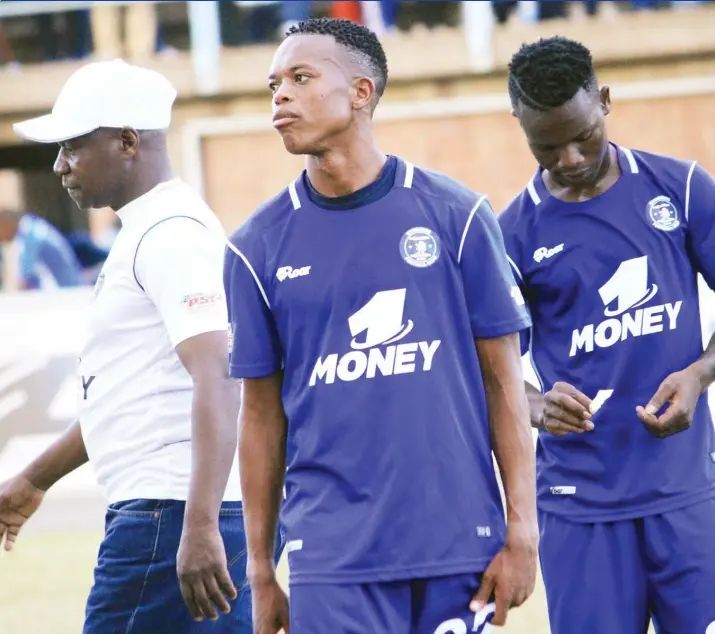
700 218
255 350
515 264
179 265
495 303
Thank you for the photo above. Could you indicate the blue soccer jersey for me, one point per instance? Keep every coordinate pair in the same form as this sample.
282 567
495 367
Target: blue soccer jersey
371 304
46 258
611 285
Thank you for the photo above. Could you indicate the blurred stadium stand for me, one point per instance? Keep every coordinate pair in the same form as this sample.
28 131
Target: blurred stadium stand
446 106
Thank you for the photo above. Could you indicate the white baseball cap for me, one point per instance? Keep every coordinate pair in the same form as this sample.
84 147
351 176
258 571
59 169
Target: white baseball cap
104 95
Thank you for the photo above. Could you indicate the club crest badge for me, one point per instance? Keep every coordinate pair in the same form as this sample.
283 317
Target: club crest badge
663 214
420 247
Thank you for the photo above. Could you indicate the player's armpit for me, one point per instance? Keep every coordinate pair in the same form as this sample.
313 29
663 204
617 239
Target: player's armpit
262 462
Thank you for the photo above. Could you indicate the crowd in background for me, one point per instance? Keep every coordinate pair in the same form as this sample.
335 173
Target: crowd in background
68 35
45 256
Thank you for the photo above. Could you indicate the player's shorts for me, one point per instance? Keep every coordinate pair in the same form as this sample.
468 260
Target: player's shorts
613 577
136 588
429 606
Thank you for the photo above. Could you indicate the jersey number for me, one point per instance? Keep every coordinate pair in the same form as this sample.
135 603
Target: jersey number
459 626
380 319
453 626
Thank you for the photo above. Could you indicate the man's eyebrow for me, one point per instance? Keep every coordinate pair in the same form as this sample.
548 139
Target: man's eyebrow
293 69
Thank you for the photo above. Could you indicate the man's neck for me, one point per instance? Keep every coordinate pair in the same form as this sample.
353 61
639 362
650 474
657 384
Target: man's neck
147 178
342 171
608 175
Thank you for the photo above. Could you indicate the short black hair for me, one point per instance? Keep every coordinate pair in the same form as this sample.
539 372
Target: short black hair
548 73
356 38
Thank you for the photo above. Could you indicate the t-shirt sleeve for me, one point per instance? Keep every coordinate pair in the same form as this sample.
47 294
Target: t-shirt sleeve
494 301
179 265
255 349
515 265
700 218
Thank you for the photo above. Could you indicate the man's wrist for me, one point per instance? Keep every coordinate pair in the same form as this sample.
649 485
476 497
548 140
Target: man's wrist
200 518
704 371
261 570
37 476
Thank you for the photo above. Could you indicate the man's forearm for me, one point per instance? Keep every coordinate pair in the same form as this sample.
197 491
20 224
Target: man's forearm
705 366
62 457
510 429
262 459
536 406
214 436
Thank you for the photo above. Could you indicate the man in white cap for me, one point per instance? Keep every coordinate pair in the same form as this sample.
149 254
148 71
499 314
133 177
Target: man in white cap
158 412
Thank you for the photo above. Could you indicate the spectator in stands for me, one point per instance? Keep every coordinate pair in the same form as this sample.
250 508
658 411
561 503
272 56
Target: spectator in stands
44 257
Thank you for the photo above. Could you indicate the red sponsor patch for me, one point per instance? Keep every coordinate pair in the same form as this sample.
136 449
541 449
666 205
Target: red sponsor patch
201 300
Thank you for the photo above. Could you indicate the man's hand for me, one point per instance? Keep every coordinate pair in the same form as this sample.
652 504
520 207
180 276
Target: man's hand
270 608
566 410
19 499
682 390
203 573
511 575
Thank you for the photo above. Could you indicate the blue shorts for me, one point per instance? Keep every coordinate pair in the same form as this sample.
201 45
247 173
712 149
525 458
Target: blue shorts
136 588
615 576
429 606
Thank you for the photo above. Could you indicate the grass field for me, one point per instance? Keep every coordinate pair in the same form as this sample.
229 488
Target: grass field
45 581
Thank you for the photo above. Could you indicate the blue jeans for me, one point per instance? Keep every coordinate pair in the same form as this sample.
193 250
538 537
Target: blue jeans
136 588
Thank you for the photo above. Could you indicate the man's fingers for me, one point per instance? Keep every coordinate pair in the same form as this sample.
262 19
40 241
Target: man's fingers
484 594
648 419
202 600
567 404
567 389
226 585
503 603
663 394
559 428
673 420
553 412
216 594
11 537
285 622
187 592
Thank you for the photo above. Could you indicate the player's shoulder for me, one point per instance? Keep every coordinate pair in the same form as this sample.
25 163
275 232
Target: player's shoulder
174 214
269 218
445 189
660 169
517 212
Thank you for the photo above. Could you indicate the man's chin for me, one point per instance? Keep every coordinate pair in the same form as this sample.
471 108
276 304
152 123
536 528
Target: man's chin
294 147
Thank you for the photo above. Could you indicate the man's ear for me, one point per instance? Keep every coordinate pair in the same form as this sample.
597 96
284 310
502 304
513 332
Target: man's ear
605 97
129 139
364 93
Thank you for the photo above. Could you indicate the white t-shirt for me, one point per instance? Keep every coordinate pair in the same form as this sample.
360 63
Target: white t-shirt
161 284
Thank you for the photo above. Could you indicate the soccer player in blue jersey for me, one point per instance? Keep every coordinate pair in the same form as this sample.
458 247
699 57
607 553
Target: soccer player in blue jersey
356 296
606 244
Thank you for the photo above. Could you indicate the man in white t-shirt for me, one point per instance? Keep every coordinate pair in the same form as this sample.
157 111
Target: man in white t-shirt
157 410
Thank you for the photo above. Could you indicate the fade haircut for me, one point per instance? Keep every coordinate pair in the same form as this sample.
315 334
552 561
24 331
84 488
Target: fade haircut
548 73
361 43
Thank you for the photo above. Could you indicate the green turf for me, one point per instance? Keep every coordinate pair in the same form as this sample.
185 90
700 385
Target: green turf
45 580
